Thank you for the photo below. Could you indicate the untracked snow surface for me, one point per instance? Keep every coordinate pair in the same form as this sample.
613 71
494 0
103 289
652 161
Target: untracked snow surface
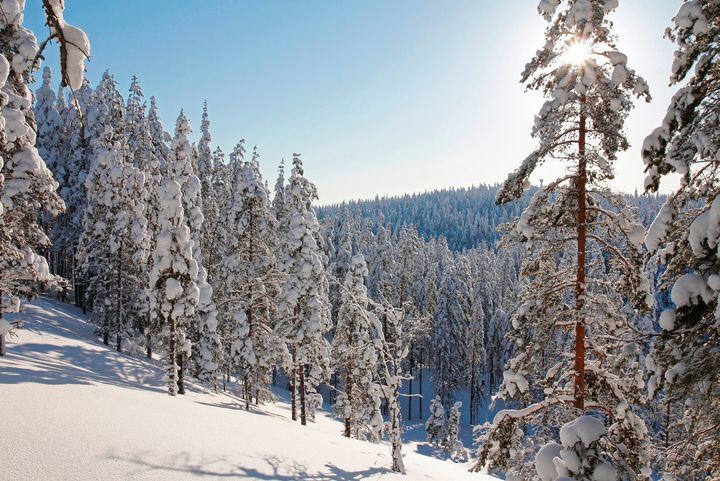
73 409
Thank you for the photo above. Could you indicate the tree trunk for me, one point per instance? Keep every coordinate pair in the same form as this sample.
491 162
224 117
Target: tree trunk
148 341
83 298
303 400
421 391
667 423
181 373
76 288
106 338
348 393
246 384
410 382
491 372
249 316
293 391
119 297
172 381
398 465
473 401
3 347
580 279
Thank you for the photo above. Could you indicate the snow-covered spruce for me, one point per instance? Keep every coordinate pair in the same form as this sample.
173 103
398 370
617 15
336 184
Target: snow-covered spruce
452 444
51 134
206 172
355 358
75 149
114 242
451 320
249 278
173 291
27 187
202 330
415 268
435 424
394 328
304 292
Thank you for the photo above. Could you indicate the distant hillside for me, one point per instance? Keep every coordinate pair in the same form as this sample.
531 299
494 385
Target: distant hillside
466 217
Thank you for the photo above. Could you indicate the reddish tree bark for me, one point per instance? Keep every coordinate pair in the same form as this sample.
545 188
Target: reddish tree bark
579 394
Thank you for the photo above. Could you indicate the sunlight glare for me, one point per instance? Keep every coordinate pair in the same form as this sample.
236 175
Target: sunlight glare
577 53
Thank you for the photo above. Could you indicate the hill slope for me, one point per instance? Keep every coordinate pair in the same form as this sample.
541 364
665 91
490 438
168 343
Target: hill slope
76 410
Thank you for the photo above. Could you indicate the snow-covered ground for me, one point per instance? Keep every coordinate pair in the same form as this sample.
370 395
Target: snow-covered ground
72 409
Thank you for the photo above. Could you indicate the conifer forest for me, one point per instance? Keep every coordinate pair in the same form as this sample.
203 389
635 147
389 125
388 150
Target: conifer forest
170 311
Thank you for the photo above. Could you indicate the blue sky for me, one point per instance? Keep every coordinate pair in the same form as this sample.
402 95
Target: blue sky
380 96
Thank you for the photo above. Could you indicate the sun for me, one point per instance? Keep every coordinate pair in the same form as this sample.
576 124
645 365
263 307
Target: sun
577 53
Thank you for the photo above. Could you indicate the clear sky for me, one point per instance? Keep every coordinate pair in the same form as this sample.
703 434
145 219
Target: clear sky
380 96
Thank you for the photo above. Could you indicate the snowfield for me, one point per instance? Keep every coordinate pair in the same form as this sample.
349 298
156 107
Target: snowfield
72 409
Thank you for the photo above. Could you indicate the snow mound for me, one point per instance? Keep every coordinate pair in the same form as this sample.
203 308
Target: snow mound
585 430
75 409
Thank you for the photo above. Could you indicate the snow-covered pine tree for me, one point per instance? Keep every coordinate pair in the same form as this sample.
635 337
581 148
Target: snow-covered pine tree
202 330
452 444
409 286
225 177
114 243
392 352
173 291
26 184
249 277
76 154
584 257
499 290
49 144
449 354
137 128
278 202
143 157
304 298
49 127
160 138
158 154
382 281
221 191
685 363
355 357
206 172
435 424
237 158
426 302
339 245
475 348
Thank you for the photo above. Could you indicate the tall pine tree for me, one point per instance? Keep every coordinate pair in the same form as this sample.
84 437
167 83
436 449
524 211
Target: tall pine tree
584 258
304 298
